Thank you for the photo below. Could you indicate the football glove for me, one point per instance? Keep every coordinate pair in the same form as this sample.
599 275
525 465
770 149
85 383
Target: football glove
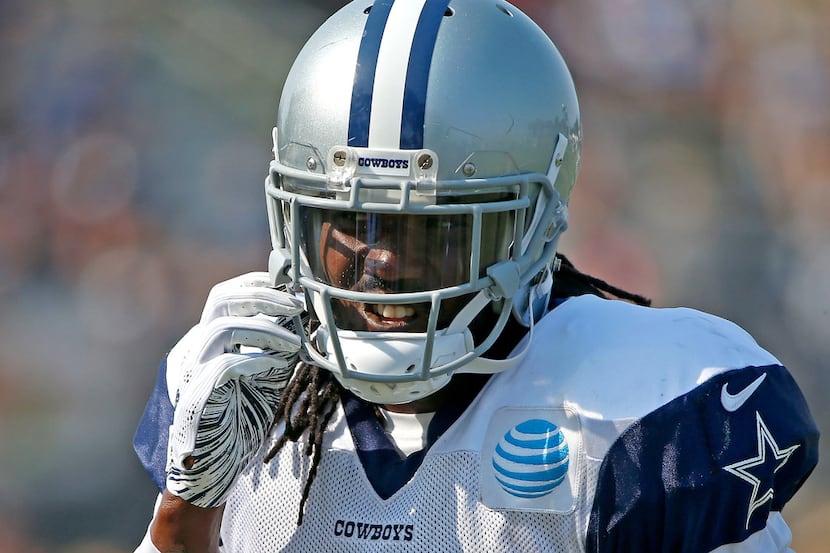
228 373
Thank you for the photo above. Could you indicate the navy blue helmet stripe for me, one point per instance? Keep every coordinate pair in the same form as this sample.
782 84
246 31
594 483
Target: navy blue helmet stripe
364 79
417 74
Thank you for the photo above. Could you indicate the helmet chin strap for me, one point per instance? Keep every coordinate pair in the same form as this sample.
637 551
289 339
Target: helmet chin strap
380 350
452 343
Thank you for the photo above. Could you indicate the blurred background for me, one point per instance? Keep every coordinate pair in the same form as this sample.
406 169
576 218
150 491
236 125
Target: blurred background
135 137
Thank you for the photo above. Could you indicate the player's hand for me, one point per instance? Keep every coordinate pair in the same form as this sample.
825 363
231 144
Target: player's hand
228 373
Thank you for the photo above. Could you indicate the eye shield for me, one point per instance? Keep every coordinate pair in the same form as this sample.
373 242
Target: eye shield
400 253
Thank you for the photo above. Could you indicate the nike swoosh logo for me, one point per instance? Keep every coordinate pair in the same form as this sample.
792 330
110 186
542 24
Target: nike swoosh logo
733 402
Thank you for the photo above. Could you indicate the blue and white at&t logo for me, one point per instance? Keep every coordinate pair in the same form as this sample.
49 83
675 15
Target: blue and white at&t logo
531 459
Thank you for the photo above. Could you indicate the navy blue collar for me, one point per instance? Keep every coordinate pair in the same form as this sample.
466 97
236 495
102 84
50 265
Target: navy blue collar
384 466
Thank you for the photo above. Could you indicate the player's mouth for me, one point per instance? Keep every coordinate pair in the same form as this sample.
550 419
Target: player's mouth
383 316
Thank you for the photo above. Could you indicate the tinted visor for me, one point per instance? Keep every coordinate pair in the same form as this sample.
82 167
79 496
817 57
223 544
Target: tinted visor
396 253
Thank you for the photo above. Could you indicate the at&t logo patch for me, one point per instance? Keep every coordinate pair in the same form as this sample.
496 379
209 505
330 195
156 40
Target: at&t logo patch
531 459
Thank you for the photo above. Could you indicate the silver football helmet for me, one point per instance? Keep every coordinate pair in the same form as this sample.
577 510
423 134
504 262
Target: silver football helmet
424 154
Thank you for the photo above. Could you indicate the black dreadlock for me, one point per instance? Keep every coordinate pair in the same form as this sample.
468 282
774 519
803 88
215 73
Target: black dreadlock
570 281
310 399
307 403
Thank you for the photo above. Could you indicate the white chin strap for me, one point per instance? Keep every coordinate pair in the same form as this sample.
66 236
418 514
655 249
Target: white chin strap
381 358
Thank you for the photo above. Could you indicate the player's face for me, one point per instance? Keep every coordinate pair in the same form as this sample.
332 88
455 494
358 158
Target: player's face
389 253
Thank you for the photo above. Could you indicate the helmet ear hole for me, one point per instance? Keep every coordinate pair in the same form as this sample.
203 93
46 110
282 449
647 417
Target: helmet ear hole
503 9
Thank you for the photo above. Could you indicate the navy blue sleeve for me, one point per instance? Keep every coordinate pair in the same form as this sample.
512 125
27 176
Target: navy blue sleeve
150 440
707 468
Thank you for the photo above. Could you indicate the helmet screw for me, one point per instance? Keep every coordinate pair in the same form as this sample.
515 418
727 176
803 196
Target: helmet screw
311 164
425 161
558 161
469 169
340 158
550 231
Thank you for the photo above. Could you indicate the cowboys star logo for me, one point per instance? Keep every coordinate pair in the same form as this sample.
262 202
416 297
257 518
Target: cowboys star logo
768 453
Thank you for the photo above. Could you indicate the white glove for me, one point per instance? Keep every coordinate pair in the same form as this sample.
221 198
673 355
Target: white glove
228 373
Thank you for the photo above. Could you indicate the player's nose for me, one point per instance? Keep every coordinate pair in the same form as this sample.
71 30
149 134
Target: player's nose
393 267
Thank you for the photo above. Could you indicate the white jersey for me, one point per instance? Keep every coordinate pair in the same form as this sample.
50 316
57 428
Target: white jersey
623 429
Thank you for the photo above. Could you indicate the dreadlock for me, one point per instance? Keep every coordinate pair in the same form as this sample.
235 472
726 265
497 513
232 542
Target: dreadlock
570 281
310 398
307 403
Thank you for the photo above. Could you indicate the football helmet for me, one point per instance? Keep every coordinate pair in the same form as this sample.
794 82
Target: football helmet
424 154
